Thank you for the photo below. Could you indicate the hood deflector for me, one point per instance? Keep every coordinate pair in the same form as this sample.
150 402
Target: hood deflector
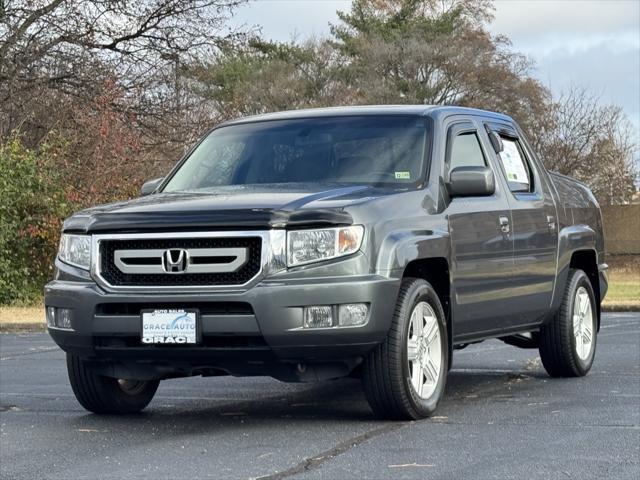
241 209
244 219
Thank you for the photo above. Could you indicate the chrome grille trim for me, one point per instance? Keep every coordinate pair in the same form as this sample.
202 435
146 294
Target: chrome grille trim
272 259
239 258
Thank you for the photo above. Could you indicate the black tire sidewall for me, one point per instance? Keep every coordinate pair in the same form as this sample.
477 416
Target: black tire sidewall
104 395
423 292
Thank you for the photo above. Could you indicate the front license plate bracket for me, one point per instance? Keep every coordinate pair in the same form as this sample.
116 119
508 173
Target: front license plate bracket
170 326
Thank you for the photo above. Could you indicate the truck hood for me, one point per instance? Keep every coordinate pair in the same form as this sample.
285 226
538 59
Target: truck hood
238 206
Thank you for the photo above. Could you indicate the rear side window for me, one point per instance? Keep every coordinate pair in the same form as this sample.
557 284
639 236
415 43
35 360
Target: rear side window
466 151
515 166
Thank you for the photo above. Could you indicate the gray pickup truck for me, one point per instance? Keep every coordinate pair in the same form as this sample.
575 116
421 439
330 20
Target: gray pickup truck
315 244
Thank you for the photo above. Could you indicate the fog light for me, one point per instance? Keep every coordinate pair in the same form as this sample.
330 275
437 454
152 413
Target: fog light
58 317
51 316
353 314
318 316
63 318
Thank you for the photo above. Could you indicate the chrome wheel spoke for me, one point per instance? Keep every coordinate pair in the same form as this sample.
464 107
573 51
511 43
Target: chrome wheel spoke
430 370
579 345
412 349
586 333
584 304
416 322
424 350
423 383
416 375
576 325
431 330
583 324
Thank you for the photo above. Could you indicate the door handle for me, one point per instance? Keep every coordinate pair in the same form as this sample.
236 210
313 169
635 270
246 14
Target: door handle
504 224
551 221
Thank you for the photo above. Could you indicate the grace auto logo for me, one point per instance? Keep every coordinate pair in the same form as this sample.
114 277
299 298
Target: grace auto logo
180 330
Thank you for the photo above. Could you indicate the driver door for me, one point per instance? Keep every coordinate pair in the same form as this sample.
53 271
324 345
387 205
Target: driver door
481 243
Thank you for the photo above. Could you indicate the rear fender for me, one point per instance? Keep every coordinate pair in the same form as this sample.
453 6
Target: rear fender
571 239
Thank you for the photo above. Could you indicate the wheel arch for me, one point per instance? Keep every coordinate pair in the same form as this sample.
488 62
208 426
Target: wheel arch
421 254
586 260
577 250
435 270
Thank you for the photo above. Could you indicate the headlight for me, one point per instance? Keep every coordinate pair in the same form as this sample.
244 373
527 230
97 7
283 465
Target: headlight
75 250
307 246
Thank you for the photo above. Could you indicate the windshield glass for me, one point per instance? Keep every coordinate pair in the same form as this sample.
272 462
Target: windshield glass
386 150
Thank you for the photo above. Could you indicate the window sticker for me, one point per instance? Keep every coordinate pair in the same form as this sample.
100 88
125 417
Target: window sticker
403 175
513 162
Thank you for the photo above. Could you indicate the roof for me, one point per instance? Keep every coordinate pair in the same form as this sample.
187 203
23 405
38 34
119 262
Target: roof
417 110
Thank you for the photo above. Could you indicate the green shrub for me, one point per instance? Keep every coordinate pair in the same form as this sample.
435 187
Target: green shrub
33 202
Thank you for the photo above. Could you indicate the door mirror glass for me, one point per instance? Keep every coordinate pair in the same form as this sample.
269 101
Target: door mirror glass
471 182
150 186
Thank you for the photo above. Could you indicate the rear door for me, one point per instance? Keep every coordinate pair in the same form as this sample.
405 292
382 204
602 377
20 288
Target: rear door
481 244
534 226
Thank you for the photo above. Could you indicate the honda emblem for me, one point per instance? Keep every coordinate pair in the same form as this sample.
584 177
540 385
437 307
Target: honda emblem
175 260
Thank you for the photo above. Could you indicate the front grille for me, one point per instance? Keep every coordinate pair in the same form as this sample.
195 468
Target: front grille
115 277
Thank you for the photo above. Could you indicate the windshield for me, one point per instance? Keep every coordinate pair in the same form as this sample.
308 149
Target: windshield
352 150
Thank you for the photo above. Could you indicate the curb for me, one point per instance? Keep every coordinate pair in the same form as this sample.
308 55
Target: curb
613 307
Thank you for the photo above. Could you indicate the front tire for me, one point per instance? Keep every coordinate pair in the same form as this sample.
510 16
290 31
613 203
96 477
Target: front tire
106 395
568 341
405 376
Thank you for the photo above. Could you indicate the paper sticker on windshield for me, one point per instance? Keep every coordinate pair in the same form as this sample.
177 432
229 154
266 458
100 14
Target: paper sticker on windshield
403 175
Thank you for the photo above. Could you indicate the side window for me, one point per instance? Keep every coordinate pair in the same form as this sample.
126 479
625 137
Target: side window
515 165
466 151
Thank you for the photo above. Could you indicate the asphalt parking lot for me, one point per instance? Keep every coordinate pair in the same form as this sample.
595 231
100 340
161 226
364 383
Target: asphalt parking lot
502 418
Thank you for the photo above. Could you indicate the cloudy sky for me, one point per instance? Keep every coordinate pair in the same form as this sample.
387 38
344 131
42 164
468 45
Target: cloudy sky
590 43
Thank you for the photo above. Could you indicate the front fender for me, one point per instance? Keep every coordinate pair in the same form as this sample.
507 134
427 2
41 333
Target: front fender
401 247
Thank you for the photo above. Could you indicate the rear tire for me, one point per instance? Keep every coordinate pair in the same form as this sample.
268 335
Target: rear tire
404 377
106 395
568 341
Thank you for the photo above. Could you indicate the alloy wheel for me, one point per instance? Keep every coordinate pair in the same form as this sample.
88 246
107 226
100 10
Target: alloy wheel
583 323
424 350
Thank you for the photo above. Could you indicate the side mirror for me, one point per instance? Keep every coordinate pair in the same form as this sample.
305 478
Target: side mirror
471 182
150 186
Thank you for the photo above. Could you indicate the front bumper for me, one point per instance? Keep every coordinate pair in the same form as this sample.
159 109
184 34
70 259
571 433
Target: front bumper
261 324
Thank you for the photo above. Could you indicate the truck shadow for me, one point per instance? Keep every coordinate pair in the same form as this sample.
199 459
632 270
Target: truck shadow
333 402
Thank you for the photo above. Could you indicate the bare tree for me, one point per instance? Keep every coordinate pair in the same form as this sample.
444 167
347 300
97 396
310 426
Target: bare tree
593 143
73 46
